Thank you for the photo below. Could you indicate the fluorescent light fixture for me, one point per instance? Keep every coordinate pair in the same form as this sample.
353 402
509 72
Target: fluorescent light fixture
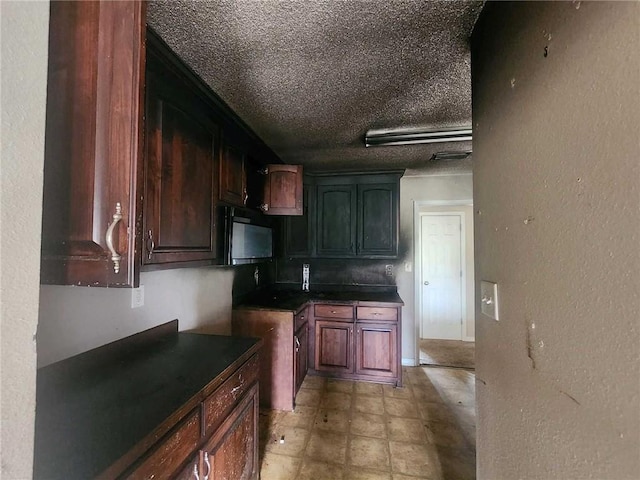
414 136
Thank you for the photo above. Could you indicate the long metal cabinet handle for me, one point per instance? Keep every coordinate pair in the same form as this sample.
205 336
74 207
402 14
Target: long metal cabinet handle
208 464
195 472
151 245
115 256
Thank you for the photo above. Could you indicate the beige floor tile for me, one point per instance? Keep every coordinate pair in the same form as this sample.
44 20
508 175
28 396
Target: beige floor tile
336 401
436 412
399 476
399 407
446 435
316 470
295 440
461 397
337 385
313 382
327 447
302 416
367 404
279 467
368 425
309 397
360 474
367 388
406 430
369 452
332 420
397 392
414 459
427 393
457 464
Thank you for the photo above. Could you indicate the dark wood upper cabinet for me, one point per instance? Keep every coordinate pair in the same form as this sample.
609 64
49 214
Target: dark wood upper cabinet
283 190
298 231
181 172
336 227
378 219
233 178
347 216
93 143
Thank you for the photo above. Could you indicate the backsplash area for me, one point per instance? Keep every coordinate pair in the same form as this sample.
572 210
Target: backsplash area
337 272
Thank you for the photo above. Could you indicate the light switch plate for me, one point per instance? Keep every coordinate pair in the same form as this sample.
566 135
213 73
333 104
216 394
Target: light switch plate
489 299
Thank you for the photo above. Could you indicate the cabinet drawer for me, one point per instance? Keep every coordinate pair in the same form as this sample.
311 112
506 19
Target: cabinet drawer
217 405
377 313
167 456
334 311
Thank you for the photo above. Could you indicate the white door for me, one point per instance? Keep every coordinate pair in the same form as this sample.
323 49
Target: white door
441 276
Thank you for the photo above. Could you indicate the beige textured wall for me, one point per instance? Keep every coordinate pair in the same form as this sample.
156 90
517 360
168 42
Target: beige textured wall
556 184
76 319
429 188
23 37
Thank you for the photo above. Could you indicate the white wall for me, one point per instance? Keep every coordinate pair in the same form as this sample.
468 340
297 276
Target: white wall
557 184
76 319
24 38
429 188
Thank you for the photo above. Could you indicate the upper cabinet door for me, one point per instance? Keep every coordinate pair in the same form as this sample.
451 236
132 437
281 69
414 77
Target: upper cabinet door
283 190
233 180
182 145
298 229
93 143
378 219
336 231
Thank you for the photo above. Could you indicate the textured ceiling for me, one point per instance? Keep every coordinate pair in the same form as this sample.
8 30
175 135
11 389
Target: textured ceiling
310 78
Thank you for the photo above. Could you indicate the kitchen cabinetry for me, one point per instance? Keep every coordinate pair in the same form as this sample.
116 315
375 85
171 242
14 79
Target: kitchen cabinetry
298 229
233 179
364 346
283 190
283 367
182 146
160 404
93 143
350 216
337 215
301 348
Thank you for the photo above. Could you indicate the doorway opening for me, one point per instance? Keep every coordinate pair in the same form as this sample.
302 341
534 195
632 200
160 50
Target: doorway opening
444 281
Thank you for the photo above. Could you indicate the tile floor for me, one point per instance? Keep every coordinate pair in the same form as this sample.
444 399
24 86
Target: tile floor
344 430
447 353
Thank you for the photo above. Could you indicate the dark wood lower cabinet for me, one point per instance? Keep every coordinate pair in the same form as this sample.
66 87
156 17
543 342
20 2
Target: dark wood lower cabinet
361 343
232 453
301 341
334 346
377 349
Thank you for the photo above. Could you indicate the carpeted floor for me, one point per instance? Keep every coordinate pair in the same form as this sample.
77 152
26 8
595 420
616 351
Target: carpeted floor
447 353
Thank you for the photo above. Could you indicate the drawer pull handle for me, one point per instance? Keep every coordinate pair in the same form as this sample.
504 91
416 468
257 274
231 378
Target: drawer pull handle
208 464
297 343
333 312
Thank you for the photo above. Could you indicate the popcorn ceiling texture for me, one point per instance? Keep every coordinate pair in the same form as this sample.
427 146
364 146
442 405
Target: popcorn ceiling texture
311 78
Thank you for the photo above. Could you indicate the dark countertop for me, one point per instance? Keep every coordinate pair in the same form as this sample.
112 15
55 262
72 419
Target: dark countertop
291 300
95 407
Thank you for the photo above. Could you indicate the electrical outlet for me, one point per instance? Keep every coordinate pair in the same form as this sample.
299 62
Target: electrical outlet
137 297
389 270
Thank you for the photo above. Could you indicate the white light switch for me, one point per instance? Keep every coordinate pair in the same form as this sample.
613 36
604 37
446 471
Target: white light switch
489 299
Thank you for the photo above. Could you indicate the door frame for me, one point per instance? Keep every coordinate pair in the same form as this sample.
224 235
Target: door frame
427 207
